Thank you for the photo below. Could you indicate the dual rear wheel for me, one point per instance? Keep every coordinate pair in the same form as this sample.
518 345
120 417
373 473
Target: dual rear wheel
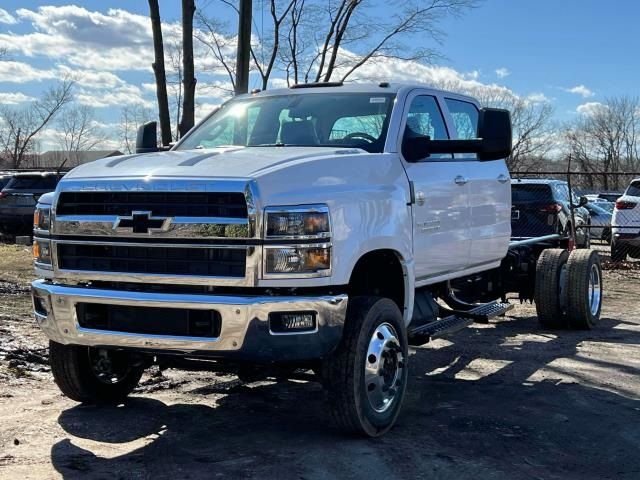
568 289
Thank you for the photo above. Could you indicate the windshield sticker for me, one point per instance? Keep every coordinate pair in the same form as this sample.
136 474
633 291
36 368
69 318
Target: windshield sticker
377 100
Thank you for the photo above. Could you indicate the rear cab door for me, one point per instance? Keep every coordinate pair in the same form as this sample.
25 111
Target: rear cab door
440 193
489 186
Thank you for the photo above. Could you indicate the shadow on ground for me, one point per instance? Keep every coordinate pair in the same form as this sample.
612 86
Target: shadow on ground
501 425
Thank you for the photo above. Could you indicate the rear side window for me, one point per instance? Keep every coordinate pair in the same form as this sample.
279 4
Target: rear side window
530 193
465 118
634 189
48 182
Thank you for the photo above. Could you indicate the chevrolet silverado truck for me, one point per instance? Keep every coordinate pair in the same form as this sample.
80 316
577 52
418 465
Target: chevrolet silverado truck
320 229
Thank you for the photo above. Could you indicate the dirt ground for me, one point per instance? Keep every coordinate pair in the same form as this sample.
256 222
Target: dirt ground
501 401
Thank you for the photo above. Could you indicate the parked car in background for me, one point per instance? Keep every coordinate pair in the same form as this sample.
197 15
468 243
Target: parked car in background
626 224
4 179
542 207
600 222
19 197
610 196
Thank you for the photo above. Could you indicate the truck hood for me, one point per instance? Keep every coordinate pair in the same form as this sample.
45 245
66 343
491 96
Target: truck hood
230 162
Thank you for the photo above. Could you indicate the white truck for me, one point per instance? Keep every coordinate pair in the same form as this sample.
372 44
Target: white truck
321 228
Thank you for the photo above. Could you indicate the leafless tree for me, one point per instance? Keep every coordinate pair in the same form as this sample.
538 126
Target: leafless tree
189 79
174 82
607 140
131 117
320 41
20 127
534 132
159 72
79 130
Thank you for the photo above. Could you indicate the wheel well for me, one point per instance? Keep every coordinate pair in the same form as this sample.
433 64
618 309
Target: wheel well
379 273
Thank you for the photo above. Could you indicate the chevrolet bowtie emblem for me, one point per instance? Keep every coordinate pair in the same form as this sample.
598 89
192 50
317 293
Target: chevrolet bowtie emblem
142 222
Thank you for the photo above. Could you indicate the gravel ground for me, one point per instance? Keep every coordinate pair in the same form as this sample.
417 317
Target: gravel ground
502 401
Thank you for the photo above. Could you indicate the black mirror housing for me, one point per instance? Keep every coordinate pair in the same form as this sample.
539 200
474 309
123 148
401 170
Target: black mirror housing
494 129
583 201
147 138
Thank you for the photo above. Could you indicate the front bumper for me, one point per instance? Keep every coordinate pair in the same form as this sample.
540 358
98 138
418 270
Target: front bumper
244 336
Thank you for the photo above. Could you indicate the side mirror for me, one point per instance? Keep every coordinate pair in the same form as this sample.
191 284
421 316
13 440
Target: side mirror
147 138
493 142
583 201
494 128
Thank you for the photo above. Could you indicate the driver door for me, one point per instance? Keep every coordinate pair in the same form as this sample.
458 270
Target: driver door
441 210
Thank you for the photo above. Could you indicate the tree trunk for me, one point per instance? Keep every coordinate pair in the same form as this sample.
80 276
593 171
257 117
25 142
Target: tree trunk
159 71
189 80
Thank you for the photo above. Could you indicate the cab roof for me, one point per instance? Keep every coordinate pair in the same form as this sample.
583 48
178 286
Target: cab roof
372 88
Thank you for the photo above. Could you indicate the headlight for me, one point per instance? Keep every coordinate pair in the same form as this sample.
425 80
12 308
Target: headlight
42 251
303 222
297 259
42 218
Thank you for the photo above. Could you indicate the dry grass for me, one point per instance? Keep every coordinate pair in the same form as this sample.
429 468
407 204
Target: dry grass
16 264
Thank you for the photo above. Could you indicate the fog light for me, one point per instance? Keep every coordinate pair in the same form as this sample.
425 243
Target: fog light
297 259
40 306
292 322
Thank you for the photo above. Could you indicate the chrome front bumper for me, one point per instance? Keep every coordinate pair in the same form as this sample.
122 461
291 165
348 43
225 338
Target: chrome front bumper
244 335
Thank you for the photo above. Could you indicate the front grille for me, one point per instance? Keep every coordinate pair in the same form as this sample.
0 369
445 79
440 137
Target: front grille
166 204
149 320
218 262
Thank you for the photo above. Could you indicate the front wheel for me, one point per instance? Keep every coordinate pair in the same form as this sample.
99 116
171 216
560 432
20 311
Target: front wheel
367 374
91 375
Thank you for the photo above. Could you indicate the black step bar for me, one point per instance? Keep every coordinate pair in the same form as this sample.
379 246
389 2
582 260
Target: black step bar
457 320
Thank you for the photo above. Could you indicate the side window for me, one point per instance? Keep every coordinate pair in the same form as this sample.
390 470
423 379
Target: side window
563 192
465 118
425 119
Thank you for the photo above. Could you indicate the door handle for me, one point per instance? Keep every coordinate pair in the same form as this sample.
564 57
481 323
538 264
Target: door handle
502 178
460 180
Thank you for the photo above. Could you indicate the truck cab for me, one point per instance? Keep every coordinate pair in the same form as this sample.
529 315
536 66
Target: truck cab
310 227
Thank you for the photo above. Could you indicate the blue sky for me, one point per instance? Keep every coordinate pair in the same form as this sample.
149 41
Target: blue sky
571 53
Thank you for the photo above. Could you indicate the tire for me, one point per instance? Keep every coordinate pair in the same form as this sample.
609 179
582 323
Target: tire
618 252
583 289
374 330
74 373
548 294
586 233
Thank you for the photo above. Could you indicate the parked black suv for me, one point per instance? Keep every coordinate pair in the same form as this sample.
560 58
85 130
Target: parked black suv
19 196
542 207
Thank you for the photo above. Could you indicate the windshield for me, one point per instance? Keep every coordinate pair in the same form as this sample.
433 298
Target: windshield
311 119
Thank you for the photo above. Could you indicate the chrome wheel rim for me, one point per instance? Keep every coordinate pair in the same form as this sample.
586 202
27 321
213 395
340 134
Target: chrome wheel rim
383 368
595 289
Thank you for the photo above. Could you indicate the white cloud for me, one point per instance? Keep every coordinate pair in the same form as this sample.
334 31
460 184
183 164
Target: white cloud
502 72
580 90
538 98
122 95
117 40
7 18
204 109
14 98
19 72
590 108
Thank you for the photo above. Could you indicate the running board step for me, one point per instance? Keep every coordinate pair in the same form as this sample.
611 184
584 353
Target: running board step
457 321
